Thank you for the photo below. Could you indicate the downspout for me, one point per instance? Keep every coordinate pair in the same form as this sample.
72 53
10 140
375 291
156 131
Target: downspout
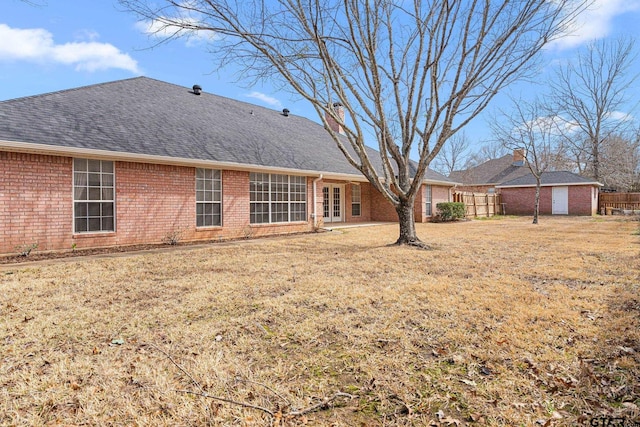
315 201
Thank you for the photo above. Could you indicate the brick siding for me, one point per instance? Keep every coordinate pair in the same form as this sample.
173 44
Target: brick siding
521 201
152 202
35 201
382 210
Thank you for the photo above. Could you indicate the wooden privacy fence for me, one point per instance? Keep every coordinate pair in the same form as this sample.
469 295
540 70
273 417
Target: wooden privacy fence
609 203
480 204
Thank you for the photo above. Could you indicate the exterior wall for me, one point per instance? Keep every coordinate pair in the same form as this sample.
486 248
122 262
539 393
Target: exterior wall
438 194
581 200
521 201
35 201
382 210
366 191
365 203
152 201
36 205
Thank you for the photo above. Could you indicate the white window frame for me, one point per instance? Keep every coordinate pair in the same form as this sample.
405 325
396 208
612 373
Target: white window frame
276 198
94 196
208 197
428 198
356 199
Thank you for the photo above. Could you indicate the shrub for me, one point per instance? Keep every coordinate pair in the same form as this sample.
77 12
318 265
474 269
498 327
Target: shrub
25 250
172 237
451 211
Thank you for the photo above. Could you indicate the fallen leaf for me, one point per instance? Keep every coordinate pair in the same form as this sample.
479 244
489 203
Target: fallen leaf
450 421
485 371
469 382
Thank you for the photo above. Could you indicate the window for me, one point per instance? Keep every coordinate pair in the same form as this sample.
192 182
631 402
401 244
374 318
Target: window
277 198
427 198
93 196
208 198
356 200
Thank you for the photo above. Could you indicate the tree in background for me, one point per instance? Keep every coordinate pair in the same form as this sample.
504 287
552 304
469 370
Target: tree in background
452 155
412 74
532 129
589 94
620 163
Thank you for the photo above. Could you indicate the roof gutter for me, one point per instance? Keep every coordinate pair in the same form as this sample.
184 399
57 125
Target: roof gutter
557 184
35 148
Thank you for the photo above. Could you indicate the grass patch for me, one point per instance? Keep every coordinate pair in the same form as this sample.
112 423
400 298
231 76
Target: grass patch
506 324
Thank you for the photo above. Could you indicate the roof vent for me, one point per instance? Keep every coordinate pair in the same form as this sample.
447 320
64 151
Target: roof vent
197 89
285 112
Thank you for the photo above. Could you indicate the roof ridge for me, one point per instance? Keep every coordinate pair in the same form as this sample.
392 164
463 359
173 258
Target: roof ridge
75 89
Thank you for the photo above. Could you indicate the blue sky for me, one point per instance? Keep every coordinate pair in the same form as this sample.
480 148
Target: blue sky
50 45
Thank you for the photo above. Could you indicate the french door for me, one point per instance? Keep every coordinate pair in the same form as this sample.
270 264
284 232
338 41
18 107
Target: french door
333 202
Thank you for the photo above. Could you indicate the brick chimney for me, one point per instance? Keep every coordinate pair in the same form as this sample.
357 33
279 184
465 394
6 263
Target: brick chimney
333 124
518 157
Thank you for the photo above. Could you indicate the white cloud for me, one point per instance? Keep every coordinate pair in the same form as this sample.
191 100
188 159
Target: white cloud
551 125
619 116
595 23
37 45
269 100
161 30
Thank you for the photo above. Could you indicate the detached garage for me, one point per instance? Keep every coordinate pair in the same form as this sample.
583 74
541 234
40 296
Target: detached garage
561 193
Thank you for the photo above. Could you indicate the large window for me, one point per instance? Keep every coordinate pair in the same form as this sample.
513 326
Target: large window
427 198
208 198
356 200
93 196
277 198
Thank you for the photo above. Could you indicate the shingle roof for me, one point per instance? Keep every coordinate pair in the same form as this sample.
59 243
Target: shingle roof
550 178
491 172
149 117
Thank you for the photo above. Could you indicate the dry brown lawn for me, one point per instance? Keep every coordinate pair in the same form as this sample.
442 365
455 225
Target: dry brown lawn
503 323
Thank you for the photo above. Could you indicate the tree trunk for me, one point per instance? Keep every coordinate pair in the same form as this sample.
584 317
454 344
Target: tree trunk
595 153
536 209
406 220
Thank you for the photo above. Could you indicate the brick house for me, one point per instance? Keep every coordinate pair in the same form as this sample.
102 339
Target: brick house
561 193
484 177
132 161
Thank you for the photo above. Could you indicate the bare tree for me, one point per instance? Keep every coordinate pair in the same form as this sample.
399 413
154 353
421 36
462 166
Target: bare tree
534 131
411 73
589 94
452 154
620 165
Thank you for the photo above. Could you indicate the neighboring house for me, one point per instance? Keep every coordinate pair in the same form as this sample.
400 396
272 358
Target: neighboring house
133 161
484 177
561 193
